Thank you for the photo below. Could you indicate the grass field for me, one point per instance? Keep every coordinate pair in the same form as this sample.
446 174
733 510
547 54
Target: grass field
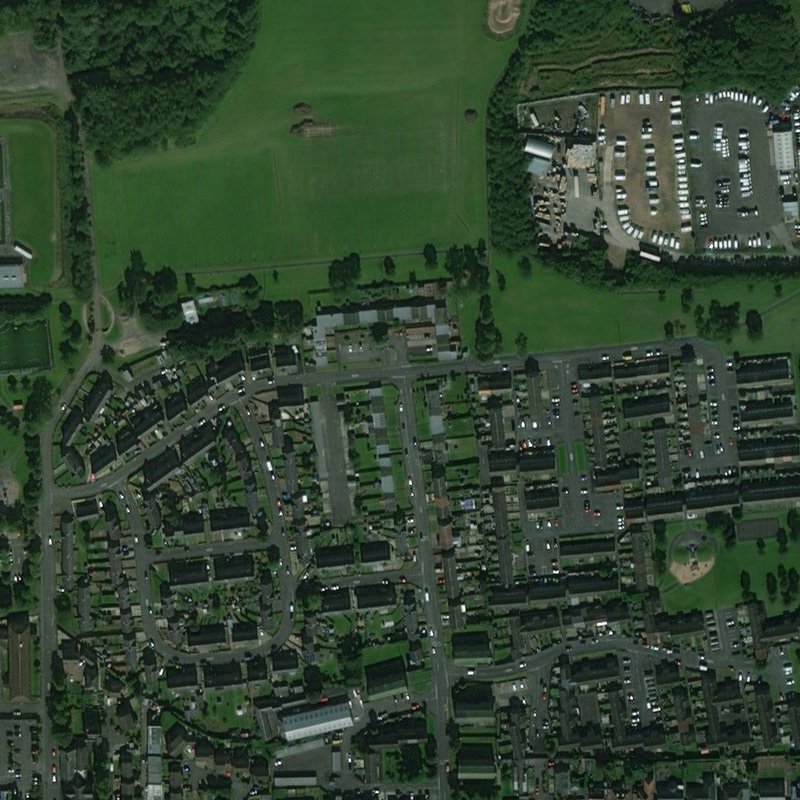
403 168
720 587
25 346
31 160
557 313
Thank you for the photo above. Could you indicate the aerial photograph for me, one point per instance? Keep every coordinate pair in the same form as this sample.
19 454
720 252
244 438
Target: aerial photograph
399 399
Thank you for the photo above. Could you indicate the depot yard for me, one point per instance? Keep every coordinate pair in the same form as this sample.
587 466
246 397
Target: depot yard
399 164
627 119
702 117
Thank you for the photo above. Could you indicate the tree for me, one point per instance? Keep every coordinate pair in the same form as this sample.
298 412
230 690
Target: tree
744 582
660 531
525 266
74 330
190 282
754 323
778 290
37 405
522 343
772 584
669 329
761 544
782 540
12 382
687 296
344 274
501 280
480 247
379 332
275 275
389 267
65 309
430 256
488 339
107 354
793 521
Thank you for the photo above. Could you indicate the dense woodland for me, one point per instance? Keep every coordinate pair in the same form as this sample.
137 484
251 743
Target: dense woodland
143 73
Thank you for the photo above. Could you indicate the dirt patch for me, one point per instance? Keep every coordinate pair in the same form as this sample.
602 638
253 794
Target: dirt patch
133 339
303 109
308 129
502 16
9 489
692 555
28 70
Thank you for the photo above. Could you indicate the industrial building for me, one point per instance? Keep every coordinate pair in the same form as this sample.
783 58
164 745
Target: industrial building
541 153
309 723
783 147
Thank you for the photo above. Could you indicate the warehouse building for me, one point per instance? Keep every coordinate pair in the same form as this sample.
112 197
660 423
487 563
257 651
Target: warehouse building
309 723
541 153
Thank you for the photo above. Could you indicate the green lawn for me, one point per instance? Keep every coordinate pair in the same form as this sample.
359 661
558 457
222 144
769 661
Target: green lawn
31 162
557 313
720 587
403 168
24 345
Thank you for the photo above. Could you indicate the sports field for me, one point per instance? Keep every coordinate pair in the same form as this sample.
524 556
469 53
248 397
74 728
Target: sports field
25 346
389 81
31 161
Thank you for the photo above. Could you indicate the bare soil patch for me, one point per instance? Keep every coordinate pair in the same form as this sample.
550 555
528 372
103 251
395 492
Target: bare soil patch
502 15
692 555
26 69
308 129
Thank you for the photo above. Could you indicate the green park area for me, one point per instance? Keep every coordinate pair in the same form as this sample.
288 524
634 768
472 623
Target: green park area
721 587
31 183
389 163
557 313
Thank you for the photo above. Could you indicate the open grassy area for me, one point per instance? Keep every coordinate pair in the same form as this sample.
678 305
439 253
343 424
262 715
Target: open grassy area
403 167
24 345
32 163
557 313
720 587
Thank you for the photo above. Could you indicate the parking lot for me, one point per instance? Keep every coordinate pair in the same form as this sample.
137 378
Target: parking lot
19 744
639 135
701 122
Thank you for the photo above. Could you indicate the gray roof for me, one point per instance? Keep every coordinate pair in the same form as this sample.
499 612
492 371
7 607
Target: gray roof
316 721
12 276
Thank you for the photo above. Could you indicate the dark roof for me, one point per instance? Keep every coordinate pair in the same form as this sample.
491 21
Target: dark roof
540 619
291 395
175 404
591 583
125 439
335 556
229 567
586 545
664 503
473 700
182 573
86 508
196 388
594 669
375 551
788 485
495 381
70 425
284 660
546 588
640 368
771 787
336 600
195 442
146 419
646 405
156 469
192 522
226 368
764 448
206 635
503 460
542 497
682 622
102 457
759 369
256 668
375 595
606 477
766 408
228 674
97 394
229 519
508 596
180 676
285 356
244 631
471 644
538 459
259 358
385 676
595 370
721 494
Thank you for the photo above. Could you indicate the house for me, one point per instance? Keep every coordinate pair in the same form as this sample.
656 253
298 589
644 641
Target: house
86 509
586 670
335 601
476 762
472 647
97 395
191 522
196 389
206 635
229 519
125 439
187 572
181 676
374 552
244 631
158 469
225 674
646 405
256 669
335 556
176 738
764 369
473 704
70 425
258 358
284 660
175 404
198 441
772 789
285 356
102 457
291 395
12 273
231 567
142 421
386 678
380 595
225 369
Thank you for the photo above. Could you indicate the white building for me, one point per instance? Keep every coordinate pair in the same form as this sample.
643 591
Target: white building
783 148
309 723
190 314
